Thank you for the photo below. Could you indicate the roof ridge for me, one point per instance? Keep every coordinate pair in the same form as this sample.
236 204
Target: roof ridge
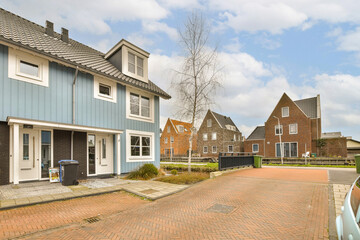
44 28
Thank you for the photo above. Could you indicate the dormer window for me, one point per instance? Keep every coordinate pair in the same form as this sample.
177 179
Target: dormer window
180 128
130 60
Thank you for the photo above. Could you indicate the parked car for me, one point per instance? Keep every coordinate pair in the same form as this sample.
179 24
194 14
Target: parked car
347 223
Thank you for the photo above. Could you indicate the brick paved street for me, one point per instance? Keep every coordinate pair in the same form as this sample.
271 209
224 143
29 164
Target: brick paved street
238 205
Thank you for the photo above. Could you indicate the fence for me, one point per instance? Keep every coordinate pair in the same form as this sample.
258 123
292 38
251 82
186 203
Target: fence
312 161
233 160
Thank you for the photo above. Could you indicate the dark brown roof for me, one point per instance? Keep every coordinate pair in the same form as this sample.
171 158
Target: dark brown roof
308 106
258 133
224 120
21 32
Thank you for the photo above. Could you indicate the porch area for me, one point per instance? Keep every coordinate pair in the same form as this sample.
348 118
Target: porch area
30 193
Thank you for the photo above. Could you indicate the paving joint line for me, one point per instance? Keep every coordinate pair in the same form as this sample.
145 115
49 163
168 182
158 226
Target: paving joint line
59 199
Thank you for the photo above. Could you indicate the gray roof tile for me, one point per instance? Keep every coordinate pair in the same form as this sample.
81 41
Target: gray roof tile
258 133
308 106
223 120
19 31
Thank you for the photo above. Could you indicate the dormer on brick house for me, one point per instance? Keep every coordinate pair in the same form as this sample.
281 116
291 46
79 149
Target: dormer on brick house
218 133
175 138
130 60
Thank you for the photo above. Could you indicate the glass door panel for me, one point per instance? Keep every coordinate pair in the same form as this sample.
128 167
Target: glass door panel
92 154
45 153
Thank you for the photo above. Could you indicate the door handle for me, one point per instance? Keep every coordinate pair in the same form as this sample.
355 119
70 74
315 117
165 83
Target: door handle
33 152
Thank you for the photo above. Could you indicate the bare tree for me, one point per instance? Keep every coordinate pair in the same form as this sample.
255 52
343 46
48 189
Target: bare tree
198 78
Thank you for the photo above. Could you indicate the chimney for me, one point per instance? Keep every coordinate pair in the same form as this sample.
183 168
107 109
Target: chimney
49 30
65 35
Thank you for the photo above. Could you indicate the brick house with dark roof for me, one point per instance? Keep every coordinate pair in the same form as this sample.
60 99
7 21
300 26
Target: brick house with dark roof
255 143
300 127
218 133
176 137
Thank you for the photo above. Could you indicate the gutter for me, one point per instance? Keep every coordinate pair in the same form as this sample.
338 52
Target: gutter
73 111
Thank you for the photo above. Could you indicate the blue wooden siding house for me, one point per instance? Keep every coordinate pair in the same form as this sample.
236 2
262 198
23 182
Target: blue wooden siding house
60 99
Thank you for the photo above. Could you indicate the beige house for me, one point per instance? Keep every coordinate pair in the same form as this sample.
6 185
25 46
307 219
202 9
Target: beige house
353 147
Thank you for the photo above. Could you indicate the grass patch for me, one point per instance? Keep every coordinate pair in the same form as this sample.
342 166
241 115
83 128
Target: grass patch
310 165
145 172
209 167
185 178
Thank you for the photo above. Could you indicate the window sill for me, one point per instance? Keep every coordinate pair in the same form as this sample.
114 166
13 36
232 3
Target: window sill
140 159
140 118
105 98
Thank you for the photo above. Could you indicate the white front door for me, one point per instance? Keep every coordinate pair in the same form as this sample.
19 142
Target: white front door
100 154
29 155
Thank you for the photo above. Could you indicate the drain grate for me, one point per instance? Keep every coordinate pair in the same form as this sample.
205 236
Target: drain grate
92 219
219 208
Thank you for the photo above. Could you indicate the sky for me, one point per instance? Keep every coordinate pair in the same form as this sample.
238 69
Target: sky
265 48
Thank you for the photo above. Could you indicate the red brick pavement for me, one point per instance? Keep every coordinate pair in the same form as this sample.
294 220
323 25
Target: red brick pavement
304 175
25 220
264 208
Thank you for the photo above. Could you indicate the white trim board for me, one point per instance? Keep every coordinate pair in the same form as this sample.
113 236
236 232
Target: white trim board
12 121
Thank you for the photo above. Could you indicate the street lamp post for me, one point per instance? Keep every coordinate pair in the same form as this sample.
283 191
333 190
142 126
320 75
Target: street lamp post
281 147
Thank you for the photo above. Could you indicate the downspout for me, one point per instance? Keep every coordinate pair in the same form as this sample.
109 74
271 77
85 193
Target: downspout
73 112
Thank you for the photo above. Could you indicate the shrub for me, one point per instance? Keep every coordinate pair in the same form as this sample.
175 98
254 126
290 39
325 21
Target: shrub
185 178
174 172
145 172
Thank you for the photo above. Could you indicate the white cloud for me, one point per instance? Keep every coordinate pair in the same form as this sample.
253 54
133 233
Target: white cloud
350 41
153 27
275 16
140 40
86 16
183 4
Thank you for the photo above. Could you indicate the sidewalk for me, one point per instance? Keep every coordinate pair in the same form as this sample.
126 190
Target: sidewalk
12 196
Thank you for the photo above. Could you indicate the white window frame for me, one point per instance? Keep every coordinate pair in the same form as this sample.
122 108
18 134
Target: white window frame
280 131
141 94
130 158
166 140
206 149
125 64
205 138
168 129
255 144
296 128
213 149
212 136
172 139
283 144
232 150
209 123
113 90
282 112
14 58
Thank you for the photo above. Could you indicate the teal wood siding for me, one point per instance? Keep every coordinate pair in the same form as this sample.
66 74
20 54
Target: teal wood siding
54 104
26 100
